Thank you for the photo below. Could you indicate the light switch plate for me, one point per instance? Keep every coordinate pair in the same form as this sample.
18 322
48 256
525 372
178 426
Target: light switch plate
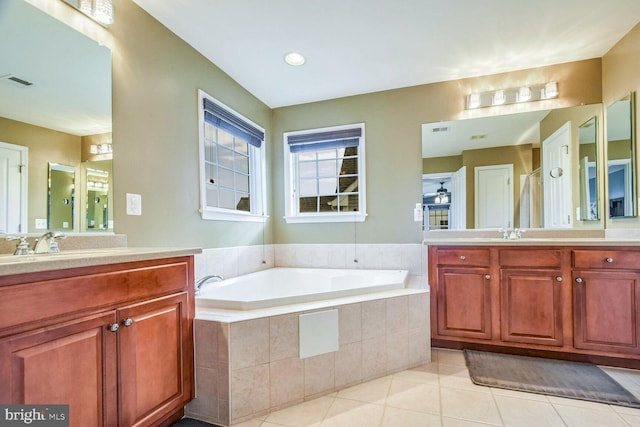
41 224
134 204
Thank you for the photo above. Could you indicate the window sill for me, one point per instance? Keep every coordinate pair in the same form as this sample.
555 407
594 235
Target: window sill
318 218
228 215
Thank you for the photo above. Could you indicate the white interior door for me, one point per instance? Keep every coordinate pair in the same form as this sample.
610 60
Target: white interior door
13 188
493 196
556 178
458 209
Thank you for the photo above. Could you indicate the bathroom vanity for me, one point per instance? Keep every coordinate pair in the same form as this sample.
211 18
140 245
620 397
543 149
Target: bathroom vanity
576 300
109 332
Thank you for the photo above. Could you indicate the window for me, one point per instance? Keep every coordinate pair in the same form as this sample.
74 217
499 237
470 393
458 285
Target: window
324 174
232 164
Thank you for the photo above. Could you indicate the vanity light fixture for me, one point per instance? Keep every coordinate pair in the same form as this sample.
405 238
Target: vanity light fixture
511 96
473 101
99 10
100 149
524 94
295 59
550 90
499 97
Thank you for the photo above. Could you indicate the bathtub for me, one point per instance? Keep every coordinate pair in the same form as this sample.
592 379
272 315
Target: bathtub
283 286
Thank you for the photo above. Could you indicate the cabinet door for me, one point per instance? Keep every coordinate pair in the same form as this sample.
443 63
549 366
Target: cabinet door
606 310
464 302
156 359
531 306
71 363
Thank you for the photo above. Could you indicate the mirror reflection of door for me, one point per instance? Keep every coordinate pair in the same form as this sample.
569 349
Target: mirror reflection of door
556 178
97 200
13 188
494 196
60 212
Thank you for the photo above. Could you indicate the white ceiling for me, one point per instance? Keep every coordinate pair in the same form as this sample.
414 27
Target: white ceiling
361 46
452 137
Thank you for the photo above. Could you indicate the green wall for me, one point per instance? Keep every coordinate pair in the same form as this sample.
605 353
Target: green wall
156 76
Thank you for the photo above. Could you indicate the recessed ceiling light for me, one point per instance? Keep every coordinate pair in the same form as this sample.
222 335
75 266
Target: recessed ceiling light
295 59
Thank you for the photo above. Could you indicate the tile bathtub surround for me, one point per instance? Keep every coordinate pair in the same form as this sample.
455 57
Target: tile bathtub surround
410 257
264 374
236 261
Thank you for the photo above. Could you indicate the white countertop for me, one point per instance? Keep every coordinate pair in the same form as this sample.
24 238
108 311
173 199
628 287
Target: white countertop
21 264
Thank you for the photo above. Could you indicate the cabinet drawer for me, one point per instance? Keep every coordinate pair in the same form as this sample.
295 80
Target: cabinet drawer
530 258
40 300
461 256
614 259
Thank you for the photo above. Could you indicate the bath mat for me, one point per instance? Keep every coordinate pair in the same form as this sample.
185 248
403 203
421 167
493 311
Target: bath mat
547 376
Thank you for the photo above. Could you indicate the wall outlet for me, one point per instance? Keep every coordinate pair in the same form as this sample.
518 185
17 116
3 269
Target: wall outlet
41 224
134 204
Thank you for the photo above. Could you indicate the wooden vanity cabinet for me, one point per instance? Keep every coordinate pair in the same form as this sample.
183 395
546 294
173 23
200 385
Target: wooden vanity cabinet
463 297
531 297
114 342
606 300
570 302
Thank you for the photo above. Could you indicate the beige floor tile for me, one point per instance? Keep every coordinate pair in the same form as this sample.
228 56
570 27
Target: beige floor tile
345 412
303 415
394 417
414 396
626 410
453 376
469 405
251 423
519 394
375 391
454 422
427 374
602 407
632 420
575 416
450 357
522 412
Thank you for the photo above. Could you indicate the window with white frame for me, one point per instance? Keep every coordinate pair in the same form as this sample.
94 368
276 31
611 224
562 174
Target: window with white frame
325 174
232 164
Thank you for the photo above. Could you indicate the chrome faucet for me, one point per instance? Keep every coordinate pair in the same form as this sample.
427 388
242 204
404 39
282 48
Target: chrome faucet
515 234
48 242
205 279
22 248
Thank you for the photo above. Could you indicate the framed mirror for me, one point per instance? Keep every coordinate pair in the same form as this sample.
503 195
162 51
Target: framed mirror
97 197
499 174
55 100
588 169
621 149
61 197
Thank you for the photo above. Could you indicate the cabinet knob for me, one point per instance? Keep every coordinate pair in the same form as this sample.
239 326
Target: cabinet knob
578 279
128 322
609 259
462 257
487 276
558 278
114 327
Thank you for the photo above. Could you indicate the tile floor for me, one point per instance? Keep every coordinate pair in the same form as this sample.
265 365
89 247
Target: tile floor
441 394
